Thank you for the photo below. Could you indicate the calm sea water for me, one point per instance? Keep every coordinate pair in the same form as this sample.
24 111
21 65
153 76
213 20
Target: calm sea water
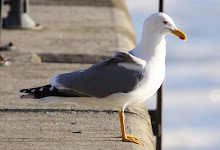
192 84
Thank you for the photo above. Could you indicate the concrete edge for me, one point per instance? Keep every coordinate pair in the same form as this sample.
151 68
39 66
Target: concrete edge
120 4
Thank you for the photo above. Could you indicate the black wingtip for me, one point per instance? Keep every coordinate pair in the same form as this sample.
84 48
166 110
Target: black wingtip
22 91
39 92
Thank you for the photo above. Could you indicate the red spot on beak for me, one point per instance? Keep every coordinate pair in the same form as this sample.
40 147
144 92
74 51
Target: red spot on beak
181 37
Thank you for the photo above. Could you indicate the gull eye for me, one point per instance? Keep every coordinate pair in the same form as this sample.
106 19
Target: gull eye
164 22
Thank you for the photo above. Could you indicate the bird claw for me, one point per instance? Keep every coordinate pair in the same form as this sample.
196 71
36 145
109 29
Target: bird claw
131 138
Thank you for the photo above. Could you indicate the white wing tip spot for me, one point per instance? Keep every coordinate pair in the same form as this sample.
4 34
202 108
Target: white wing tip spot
51 88
41 89
53 80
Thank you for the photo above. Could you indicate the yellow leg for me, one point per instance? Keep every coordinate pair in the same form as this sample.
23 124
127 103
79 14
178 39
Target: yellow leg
126 137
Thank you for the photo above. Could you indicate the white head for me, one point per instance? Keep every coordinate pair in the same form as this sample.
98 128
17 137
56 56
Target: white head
152 41
161 23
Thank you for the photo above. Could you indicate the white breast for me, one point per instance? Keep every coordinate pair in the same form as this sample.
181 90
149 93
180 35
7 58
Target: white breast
152 81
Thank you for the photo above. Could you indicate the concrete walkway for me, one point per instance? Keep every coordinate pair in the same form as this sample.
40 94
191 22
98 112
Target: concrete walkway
72 29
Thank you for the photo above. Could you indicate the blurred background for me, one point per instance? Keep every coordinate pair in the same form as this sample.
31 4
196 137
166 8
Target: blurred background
191 106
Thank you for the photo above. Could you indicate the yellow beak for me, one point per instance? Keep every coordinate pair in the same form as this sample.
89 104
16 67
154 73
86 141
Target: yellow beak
179 34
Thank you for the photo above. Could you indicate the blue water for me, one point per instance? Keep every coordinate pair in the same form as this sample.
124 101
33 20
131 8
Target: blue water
192 72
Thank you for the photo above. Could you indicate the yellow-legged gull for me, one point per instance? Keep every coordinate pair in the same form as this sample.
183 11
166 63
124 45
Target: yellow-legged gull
124 79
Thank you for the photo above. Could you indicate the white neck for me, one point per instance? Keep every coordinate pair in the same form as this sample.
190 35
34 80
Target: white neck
152 45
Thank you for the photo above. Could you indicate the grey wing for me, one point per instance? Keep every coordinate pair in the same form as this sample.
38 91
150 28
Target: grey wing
101 80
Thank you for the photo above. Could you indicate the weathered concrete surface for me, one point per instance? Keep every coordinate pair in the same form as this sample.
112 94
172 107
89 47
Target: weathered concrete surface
75 29
69 130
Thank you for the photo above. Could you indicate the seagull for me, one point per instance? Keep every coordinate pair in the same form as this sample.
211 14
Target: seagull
125 79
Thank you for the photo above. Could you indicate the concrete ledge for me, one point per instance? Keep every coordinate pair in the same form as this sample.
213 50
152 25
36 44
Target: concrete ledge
70 130
102 3
120 4
77 30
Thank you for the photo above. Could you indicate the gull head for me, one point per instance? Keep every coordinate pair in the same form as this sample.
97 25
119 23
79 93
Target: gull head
161 23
